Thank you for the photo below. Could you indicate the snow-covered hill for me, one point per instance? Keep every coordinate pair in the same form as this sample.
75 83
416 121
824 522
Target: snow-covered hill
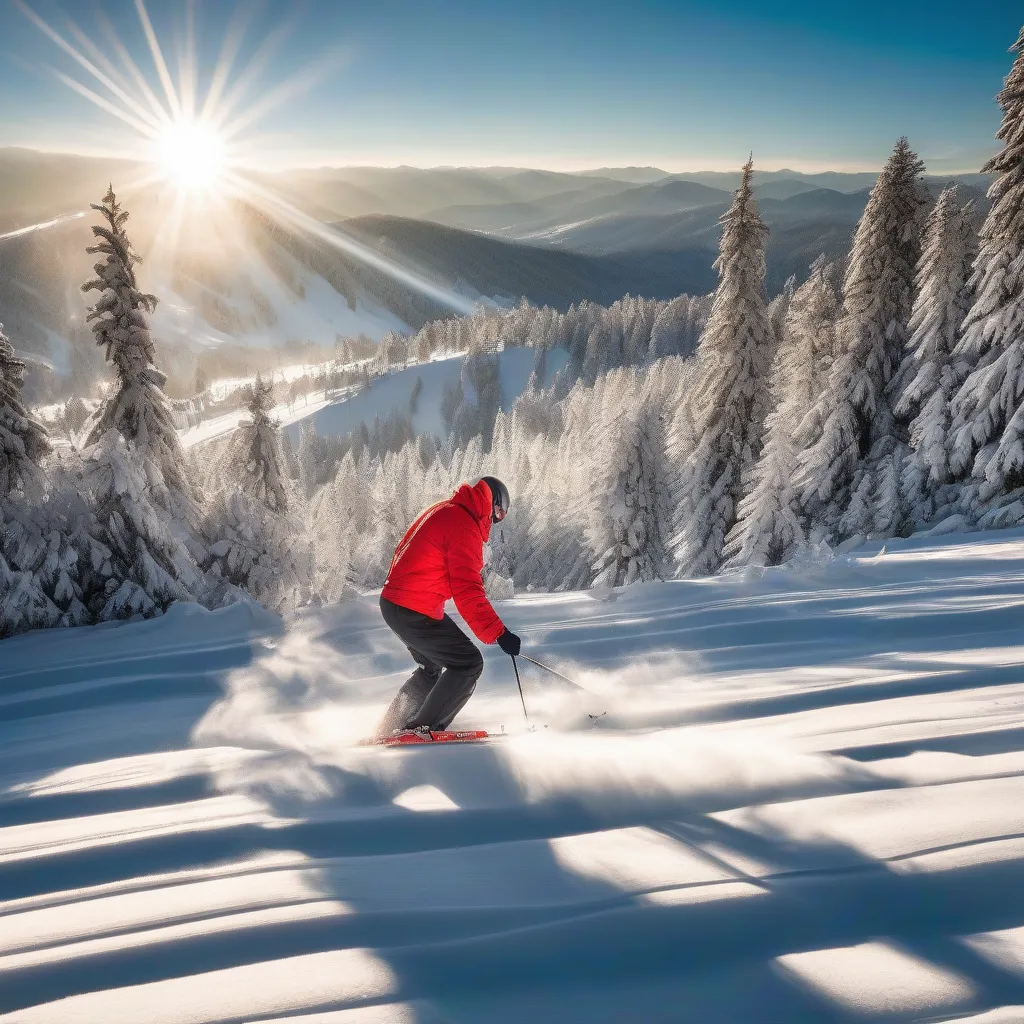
803 803
394 394
240 289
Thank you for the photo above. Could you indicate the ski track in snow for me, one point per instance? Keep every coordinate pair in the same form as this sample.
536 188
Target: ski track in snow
804 801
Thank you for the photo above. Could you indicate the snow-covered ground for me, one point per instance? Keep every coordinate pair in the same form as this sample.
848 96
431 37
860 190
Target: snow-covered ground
804 802
285 414
343 412
393 393
223 386
319 314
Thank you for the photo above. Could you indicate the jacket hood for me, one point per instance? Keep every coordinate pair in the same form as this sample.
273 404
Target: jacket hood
476 499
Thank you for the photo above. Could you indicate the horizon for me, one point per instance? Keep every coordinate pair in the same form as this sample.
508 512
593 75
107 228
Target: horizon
581 168
479 86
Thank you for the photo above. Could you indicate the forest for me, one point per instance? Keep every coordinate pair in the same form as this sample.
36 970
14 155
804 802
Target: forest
878 398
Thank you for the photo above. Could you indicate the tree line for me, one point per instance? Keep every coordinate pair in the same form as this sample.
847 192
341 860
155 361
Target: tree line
878 398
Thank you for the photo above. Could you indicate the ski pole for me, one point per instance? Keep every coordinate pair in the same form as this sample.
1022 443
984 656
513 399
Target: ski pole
547 668
519 683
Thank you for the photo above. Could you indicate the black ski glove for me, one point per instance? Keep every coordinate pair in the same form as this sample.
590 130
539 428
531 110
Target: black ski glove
510 643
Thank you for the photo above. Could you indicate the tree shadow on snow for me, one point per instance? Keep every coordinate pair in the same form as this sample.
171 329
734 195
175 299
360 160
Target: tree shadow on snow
488 898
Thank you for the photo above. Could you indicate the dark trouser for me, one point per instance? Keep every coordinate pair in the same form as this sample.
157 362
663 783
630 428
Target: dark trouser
449 666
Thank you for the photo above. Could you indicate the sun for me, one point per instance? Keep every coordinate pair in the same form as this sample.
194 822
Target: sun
198 141
191 155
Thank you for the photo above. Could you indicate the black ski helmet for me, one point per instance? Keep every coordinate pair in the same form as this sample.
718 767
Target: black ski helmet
499 497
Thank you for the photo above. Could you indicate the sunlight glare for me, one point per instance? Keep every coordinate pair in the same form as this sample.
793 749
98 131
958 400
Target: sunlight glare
191 154
196 143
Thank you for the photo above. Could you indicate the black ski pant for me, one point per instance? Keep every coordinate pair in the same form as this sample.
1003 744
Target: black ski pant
449 667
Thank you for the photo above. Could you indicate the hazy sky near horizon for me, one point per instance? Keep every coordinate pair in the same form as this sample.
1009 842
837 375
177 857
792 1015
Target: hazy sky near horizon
682 85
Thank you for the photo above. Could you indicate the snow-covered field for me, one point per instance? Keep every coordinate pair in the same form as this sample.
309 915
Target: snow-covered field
320 314
393 393
285 414
805 802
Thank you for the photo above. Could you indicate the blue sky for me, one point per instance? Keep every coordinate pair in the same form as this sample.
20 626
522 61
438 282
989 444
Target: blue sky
682 85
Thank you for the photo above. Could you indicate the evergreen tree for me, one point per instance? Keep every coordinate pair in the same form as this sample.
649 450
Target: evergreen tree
629 525
769 526
75 416
262 540
669 332
137 406
927 380
988 417
310 456
336 528
839 472
24 602
254 456
729 403
290 460
604 347
150 566
23 440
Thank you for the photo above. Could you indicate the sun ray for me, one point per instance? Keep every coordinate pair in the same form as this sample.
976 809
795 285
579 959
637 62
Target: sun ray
257 65
132 68
169 231
240 18
149 131
196 142
285 91
85 63
273 203
187 70
98 57
134 186
158 59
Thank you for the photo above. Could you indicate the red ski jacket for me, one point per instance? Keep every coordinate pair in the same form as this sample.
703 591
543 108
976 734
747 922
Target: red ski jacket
442 556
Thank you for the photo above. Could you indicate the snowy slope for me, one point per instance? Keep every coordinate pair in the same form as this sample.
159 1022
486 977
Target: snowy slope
342 412
393 394
805 803
319 314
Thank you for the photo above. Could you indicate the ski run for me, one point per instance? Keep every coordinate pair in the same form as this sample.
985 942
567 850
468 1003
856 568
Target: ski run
799 799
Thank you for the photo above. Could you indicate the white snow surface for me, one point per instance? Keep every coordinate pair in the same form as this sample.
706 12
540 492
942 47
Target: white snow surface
319 314
803 801
392 394
342 412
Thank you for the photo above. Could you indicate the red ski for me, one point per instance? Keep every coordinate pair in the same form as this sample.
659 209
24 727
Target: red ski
464 736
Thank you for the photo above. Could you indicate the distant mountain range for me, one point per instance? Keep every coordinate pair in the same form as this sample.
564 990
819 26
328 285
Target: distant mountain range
486 233
477 265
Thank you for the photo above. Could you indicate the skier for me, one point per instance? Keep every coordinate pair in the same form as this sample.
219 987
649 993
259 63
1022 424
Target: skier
441 557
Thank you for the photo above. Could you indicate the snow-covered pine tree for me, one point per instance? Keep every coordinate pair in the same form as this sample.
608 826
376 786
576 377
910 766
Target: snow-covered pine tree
23 440
778 308
309 457
629 528
261 538
149 565
927 380
769 527
136 407
669 334
604 346
839 472
335 525
729 403
988 415
24 603
555 500
254 457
